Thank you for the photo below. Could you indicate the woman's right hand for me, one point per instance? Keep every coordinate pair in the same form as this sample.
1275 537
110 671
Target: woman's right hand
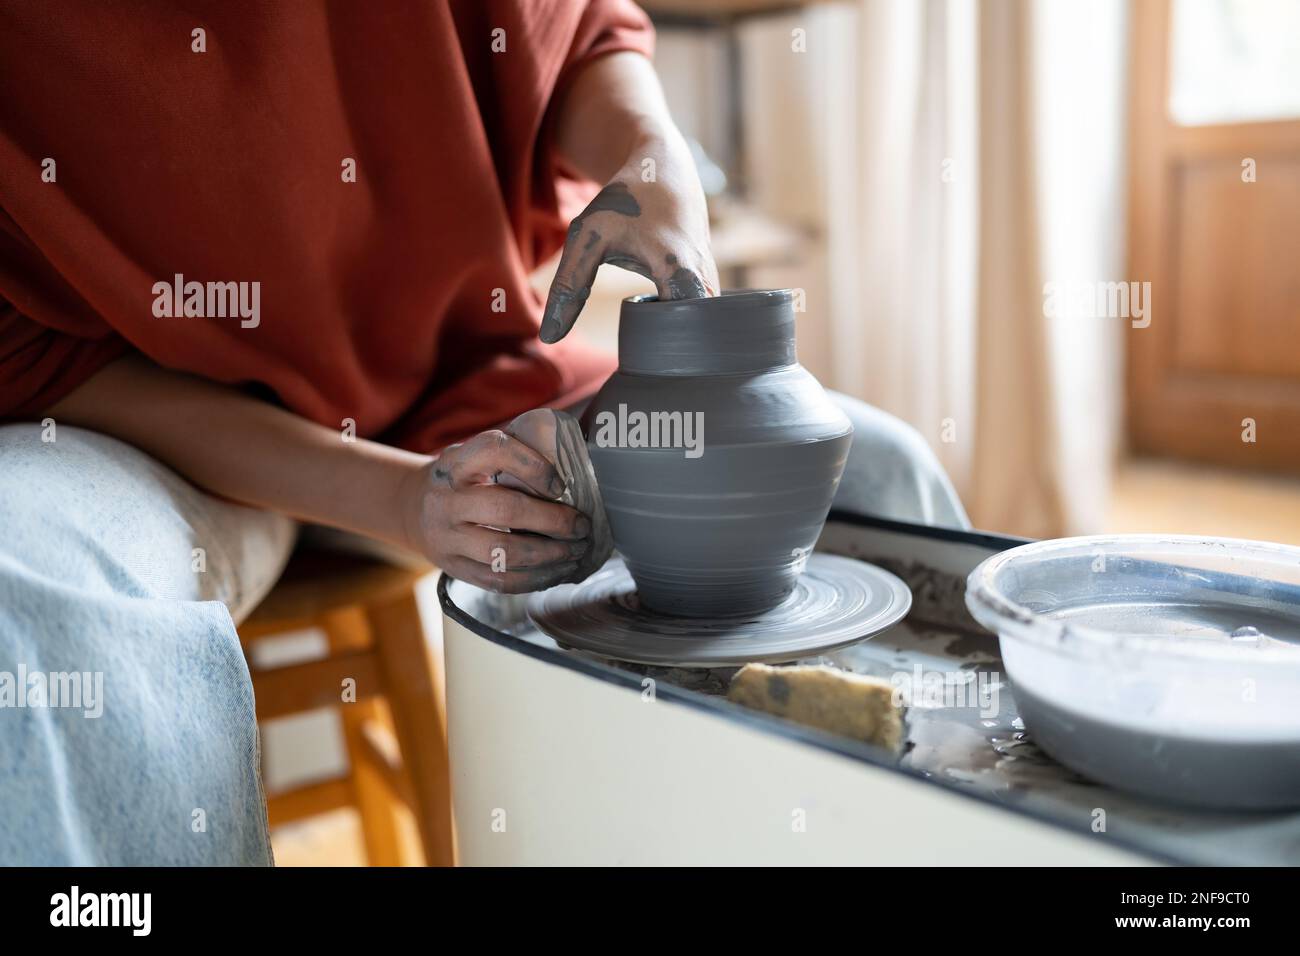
465 512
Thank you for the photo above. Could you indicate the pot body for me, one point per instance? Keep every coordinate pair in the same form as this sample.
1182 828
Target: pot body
717 454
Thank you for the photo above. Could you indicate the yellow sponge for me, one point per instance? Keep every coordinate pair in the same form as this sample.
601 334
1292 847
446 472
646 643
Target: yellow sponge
848 704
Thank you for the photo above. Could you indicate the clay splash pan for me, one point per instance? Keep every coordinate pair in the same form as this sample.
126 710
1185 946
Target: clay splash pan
979 748
1164 665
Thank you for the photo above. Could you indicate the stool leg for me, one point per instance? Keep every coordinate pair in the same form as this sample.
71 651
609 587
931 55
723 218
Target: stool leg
375 803
418 718
348 631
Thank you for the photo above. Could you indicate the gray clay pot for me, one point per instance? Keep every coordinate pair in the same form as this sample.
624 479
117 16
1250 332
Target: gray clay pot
719 522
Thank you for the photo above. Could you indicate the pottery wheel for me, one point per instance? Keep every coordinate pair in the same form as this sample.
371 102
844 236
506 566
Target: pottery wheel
837 601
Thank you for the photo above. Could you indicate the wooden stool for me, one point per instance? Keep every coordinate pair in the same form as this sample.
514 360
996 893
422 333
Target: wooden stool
394 723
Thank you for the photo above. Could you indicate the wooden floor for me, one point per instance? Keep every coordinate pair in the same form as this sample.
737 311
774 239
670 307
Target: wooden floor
1158 496
334 839
1149 496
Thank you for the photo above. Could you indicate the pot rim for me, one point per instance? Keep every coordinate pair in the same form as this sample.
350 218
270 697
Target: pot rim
730 298
743 331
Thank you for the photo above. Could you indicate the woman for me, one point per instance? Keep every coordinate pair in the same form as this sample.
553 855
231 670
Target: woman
283 252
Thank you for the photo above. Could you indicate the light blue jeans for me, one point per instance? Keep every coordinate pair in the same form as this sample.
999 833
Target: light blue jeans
117 574
120 586
893 473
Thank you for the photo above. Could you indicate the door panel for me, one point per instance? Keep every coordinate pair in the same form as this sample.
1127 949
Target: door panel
1222 254
1236 255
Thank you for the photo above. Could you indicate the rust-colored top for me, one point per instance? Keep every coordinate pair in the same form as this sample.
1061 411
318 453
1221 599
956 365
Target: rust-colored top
129 156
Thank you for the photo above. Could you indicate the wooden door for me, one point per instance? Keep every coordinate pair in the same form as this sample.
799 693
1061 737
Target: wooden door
1215 228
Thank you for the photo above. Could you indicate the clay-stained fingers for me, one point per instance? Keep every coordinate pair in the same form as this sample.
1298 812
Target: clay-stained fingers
584 251
519 551
486 456
508 582
682 283
686 274
498 507
593 235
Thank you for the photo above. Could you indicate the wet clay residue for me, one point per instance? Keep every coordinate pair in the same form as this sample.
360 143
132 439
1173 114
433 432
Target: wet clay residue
615 197
972 645
683 283
939 598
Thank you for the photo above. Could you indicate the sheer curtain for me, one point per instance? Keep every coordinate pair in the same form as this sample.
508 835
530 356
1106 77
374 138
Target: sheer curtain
954 157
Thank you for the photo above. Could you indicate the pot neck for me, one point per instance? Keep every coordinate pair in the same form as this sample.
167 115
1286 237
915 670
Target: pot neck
729 334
